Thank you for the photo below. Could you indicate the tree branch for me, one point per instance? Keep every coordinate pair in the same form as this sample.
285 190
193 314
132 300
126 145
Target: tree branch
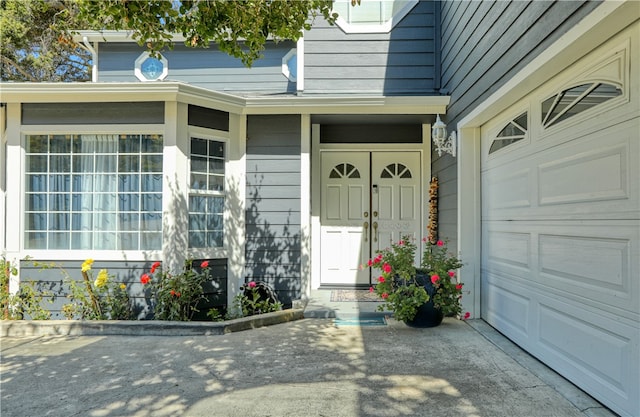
11 63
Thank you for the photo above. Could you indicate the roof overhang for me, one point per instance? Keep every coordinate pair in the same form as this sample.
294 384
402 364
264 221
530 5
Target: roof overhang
181 92
113 36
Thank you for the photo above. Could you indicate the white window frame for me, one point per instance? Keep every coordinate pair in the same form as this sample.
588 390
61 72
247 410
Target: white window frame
286 70
220 136
75 254
138 67
385 27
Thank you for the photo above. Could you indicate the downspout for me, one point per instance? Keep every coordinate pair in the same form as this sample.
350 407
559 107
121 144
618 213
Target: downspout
94 58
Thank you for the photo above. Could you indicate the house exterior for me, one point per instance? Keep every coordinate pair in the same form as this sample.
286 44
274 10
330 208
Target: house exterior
296 171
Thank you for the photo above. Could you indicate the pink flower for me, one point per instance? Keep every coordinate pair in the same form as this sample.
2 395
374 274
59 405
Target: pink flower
466 315
452 274
370 289
380 278
386 268
145 278
370 262
434 278
424 239
401 243
440 243
155 266
458 287
377 259
384 295
204 264
251 284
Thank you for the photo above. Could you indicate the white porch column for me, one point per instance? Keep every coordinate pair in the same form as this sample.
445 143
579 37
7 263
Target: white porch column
235 211
176 183
305 204
315 207
13 204
3 176
469 226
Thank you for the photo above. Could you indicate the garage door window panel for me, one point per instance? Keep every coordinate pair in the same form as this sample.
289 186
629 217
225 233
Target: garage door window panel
575 100
513 132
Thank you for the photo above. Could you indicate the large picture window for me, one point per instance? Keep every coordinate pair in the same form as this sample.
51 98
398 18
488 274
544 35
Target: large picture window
93 192
207 194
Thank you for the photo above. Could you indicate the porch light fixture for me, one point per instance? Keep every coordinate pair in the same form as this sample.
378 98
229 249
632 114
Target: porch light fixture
444 143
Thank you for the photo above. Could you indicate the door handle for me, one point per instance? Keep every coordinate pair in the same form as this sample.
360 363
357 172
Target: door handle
366 229
375 231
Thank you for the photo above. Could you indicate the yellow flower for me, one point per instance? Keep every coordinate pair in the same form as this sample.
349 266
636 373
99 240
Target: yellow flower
86 265
123 287
102 278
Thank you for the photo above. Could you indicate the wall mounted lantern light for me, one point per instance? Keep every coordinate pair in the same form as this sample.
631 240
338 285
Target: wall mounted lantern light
444 143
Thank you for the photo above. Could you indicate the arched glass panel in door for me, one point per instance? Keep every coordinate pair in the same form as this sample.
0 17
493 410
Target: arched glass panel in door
345 170
396 171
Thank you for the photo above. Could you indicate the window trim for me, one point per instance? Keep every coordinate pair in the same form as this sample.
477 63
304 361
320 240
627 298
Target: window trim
385 27
286 70
138 67
74 254
221 136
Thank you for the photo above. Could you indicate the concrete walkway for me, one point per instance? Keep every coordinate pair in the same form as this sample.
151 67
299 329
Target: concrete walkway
305 367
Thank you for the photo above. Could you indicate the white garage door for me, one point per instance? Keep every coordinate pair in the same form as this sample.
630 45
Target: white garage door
561 223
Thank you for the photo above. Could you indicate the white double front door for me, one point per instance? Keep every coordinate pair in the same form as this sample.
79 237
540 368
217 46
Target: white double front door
368 200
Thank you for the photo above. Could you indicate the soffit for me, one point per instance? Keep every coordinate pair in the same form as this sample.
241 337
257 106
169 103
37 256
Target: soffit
337 105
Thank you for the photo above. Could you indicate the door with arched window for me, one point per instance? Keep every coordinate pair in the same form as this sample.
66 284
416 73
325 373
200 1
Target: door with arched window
368 200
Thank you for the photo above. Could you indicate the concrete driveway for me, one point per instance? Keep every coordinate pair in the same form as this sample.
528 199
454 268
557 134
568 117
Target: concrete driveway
308 367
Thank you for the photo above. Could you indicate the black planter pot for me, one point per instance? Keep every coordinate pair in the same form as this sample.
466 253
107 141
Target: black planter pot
427 315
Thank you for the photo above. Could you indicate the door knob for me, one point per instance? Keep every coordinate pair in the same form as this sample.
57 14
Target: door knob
375 214
366 229
375 231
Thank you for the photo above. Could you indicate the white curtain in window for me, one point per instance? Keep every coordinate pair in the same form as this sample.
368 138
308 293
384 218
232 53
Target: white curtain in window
98 191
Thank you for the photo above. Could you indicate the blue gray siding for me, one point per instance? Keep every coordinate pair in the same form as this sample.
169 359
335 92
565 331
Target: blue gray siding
401 62
484 44
54 281
207 68
273 204
92 113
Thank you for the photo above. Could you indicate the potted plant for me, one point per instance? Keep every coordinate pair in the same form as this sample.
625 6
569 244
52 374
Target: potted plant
422 296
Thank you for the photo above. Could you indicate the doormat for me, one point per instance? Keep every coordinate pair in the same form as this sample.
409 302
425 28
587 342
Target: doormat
354 295
361 321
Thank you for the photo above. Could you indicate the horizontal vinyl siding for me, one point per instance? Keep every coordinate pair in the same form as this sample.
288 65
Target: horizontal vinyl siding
445 169
92 113
401 62
484 44
272 248
53 281
207 68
